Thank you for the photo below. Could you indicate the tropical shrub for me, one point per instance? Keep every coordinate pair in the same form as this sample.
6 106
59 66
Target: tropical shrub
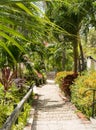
67 82
12 97
61 75
7 78
35 77
4 112
79 94
65 79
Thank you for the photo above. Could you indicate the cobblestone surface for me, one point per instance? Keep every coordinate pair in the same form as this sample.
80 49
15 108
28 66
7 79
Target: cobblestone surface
52 113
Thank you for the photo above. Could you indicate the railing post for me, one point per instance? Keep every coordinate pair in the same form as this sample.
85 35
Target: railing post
93 105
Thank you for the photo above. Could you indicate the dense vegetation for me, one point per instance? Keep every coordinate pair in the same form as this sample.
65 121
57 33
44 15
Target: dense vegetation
80 90
11 98
37 37
82 94
21 55
79 20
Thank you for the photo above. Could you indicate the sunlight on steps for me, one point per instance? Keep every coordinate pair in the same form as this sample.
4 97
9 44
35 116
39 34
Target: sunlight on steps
49 81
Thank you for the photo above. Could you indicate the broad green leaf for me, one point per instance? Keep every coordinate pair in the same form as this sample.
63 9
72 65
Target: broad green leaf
6 20
11 1
10 30
4 35
22 6
3 45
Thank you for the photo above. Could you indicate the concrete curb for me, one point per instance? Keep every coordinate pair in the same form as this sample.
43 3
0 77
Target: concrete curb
93 120
30 120
31 115
63 97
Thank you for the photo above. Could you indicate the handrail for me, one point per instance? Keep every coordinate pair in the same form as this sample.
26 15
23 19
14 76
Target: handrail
14 115
94 100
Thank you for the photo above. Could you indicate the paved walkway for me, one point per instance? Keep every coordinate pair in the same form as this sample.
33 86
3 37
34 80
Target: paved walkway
52 113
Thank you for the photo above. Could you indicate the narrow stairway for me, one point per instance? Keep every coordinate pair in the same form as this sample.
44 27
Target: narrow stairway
52 113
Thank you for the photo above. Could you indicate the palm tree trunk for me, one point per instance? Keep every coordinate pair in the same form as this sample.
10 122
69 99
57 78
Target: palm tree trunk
75 51
82 57
81 53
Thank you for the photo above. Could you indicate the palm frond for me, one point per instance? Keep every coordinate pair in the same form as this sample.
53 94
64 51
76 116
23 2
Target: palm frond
4 35
3 45
11 31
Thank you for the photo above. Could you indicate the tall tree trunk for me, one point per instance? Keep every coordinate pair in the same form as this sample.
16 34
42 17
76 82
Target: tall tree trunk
75 51
81 53
82 57
80 69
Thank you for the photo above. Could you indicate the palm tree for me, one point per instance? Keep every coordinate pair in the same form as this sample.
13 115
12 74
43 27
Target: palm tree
69 15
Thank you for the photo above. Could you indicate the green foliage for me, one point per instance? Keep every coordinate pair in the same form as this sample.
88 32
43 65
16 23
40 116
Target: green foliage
22 118
83 100
4 112
12 97
35 76
59 56
1 92
71 15
16 93
90 46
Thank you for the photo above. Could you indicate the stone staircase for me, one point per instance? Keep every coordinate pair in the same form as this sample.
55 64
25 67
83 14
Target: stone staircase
51 75
53 113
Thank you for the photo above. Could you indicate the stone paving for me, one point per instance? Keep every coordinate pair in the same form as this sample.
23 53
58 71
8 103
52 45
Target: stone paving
52 113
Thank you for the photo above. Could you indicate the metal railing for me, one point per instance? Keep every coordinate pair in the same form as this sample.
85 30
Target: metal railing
93 100
15 114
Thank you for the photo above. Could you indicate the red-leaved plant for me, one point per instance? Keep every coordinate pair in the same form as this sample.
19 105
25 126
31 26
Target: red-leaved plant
7 78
